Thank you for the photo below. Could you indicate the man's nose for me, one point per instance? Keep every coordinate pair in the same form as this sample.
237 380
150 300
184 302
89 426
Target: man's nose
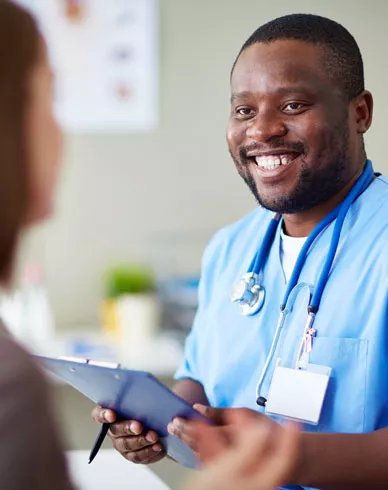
265 126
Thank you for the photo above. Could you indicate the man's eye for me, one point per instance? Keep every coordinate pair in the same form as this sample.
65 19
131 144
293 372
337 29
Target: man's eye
244 111
294 107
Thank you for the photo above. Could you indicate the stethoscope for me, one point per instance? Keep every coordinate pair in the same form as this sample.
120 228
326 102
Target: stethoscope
250 295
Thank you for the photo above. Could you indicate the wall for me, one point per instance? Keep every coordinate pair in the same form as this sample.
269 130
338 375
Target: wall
135 196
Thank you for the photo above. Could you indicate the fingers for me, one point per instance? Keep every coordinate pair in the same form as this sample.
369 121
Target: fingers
217 415
154 458
146 455
142 448
128 438
183 429
207 441
134 443
126 428
210 441
102 415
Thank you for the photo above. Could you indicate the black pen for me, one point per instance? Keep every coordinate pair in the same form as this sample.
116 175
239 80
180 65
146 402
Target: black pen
100 439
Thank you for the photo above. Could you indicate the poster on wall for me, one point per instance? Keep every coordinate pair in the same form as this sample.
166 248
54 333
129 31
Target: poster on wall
105 57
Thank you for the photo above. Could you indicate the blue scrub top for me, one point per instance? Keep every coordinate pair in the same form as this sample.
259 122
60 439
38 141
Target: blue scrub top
226 351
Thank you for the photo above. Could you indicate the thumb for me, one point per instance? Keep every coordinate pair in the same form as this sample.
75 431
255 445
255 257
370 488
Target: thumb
217 415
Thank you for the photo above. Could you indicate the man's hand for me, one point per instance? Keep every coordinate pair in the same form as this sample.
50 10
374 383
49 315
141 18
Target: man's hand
130 439
220 436
256 458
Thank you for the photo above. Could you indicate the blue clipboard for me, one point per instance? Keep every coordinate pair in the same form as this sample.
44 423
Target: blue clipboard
133 395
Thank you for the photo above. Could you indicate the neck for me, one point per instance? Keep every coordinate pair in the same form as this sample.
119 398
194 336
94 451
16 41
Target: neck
302 224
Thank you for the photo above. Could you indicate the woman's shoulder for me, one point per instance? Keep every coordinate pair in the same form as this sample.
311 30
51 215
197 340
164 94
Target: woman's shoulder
26 421
17 367
23 388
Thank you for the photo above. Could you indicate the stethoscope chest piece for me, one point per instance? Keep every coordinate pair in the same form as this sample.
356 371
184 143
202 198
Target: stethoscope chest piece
248 293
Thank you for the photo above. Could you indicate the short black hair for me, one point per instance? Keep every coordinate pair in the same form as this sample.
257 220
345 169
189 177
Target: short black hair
343 56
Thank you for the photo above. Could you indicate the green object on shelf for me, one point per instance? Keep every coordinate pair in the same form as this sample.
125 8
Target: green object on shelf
129 279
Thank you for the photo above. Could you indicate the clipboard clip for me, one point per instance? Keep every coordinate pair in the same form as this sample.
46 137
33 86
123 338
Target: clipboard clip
80 360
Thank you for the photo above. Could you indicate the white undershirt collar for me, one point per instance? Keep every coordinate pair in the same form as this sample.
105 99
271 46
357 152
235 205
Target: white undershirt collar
290 247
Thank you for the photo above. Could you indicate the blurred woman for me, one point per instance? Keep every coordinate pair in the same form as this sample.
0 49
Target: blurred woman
30 148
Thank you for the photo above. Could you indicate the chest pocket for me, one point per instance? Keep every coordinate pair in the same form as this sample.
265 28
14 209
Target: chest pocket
344 406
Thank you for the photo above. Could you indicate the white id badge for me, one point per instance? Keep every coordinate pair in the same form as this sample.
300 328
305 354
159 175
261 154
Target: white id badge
298 394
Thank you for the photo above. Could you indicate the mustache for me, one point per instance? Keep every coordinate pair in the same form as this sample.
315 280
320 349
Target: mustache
296 147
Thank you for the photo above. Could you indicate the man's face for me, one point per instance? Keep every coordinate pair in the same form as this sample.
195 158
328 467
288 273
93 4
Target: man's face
288 131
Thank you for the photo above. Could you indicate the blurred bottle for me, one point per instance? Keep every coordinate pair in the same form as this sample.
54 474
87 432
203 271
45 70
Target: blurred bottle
37 323
11 314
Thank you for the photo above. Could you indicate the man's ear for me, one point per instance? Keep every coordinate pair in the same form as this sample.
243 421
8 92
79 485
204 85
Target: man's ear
363 111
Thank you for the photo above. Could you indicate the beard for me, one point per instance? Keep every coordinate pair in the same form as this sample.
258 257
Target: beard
316 184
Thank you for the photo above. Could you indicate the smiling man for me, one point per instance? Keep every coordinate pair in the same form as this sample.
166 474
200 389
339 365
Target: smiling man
299 111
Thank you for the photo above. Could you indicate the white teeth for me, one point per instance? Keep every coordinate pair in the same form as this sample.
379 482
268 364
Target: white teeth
273 161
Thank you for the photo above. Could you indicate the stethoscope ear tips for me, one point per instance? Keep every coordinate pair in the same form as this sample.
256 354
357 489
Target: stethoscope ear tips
261 401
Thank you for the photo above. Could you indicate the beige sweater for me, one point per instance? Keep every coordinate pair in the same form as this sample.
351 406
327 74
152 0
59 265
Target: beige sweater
30 455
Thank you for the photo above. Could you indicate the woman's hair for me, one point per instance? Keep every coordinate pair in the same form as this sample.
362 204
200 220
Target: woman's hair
19 52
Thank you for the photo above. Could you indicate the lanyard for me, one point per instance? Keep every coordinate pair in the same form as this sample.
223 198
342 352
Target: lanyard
340 213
